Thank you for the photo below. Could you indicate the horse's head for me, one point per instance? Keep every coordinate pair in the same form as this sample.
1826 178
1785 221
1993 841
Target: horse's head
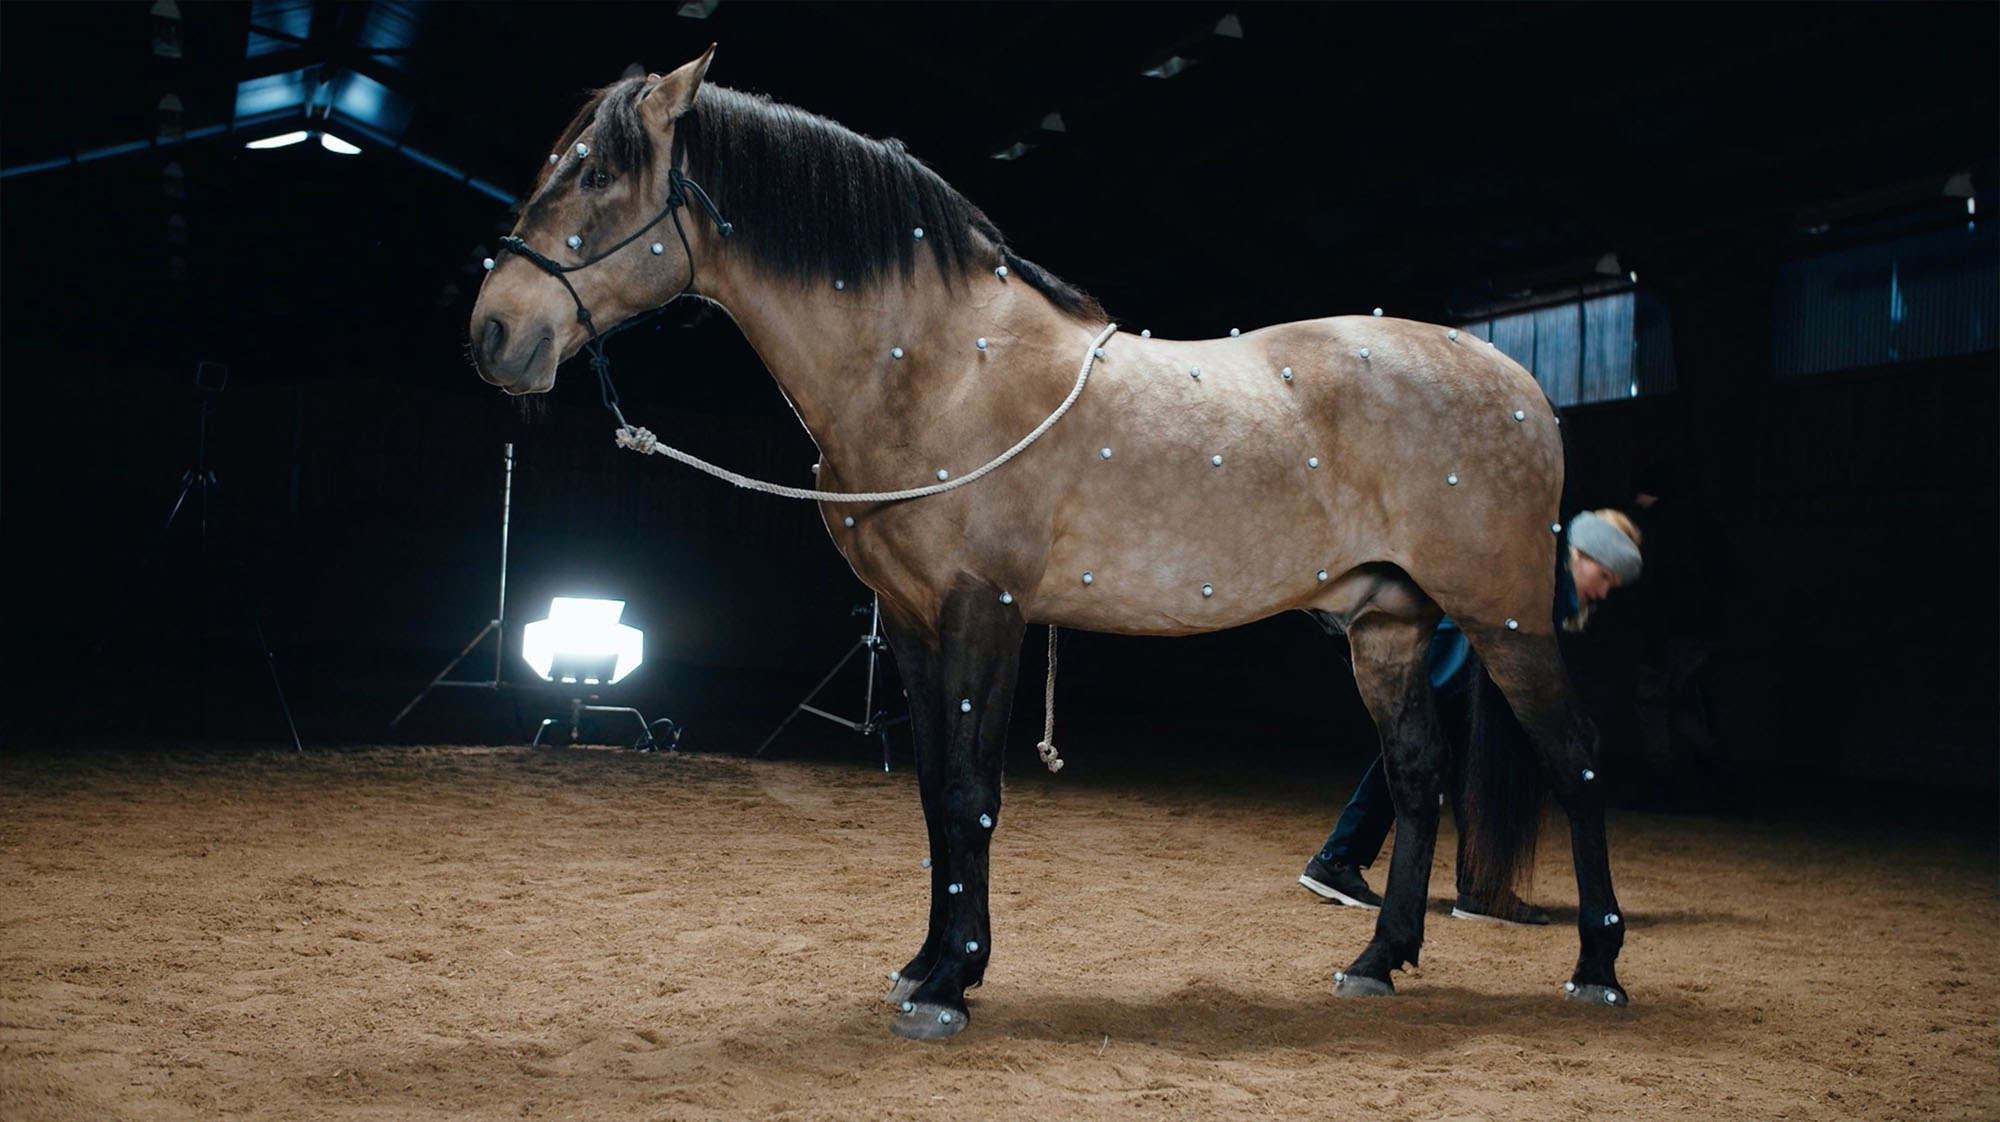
600 239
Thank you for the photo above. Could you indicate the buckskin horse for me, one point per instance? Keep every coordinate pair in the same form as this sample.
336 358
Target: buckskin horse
1373 471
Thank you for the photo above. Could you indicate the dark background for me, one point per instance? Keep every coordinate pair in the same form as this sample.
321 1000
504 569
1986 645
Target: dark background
1432 159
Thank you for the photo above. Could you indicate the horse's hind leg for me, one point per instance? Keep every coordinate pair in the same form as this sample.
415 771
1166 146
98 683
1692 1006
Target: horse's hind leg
960 677
1391 667
1529 671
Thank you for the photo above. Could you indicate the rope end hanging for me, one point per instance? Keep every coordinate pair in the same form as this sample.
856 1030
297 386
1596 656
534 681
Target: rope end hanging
1047 746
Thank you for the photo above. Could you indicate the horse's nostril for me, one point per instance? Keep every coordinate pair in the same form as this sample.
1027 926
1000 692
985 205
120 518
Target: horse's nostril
495 337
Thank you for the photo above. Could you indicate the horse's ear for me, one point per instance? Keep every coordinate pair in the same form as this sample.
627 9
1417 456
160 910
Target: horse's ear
674 94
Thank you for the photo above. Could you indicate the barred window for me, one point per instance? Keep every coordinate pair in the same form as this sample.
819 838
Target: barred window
1921 296
1600 348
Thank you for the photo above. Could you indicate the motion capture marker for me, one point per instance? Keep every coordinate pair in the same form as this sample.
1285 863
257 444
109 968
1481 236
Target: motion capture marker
555 157
1364 352
1195 373
1520 415
1097 353
1216 460
972 946
1611 919
1312 462
954 888
986 822
895 975
895 352
1378 311
1087 578
944 1018
1321 575
1006 597
582 150
1559 422
909 1007
847 521
918 233
489 264
943 475
926 862
1001 272
1569 987
1233 333
657 249
1555 527
1513 625
574 242
838 285
965 705
1610 996
1340 976
1207 590
1286 373
1451 335
1588 775
1104 453
1452 479
1145 333
980 343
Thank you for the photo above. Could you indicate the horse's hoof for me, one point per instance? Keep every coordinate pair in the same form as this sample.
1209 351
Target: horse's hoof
1357 985
1593 994
924 1020
901 991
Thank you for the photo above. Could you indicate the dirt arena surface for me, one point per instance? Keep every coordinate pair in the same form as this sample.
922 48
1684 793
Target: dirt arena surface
463 933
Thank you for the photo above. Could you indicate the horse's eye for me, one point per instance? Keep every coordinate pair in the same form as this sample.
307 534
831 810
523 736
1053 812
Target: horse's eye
595 179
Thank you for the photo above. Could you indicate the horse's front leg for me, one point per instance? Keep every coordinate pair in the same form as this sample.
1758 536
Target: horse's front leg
960 675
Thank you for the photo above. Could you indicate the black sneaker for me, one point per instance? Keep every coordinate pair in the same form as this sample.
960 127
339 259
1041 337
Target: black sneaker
1340 883
1509 909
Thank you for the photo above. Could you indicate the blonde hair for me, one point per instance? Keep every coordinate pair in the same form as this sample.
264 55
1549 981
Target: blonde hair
1623 524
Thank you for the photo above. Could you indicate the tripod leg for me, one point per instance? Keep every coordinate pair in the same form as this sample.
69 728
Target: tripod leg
270 664
491 625
793 715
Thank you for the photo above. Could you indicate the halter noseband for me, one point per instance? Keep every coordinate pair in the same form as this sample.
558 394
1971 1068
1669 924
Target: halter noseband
678 187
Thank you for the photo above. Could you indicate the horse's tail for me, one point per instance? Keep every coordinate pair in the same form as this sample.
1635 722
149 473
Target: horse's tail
1501 793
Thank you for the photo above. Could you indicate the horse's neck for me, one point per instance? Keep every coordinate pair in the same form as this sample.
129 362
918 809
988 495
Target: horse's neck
834 352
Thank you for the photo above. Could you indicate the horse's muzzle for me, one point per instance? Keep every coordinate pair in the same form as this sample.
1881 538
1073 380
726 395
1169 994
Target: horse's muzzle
518 362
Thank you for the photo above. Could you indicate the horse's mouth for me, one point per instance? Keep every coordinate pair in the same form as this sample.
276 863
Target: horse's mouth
537 371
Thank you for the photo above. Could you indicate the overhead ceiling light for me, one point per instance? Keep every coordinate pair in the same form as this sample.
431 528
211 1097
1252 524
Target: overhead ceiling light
1959 186
1607 266
338 146
282 140
1014 151
697 9
1229 27
1174 65
1053 122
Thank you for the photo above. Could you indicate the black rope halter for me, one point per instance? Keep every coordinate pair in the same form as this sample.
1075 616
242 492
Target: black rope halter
678 188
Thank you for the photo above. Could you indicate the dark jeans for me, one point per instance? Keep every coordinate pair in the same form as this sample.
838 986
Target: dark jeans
1364 824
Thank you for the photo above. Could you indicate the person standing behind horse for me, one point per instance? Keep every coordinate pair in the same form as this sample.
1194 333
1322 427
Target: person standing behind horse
1603 555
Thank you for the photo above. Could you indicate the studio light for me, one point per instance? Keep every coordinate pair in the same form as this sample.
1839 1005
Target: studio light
282 140
338 146
582 642
582 645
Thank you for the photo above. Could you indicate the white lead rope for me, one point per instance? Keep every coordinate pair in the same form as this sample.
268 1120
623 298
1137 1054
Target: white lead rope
642 440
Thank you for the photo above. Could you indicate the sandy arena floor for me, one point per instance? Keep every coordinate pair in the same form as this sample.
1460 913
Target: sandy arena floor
484 934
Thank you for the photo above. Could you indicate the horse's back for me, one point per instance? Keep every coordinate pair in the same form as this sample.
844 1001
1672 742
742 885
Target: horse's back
1218 481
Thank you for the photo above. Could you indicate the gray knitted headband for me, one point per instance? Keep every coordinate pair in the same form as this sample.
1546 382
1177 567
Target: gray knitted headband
1605 544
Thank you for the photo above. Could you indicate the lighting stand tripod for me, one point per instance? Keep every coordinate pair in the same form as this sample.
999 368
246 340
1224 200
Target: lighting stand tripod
871 722
497 626
211 378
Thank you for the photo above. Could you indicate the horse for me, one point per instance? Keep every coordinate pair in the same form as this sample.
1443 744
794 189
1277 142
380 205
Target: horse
1375 472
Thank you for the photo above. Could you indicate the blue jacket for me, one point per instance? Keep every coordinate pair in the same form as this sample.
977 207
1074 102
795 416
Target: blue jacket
1452 662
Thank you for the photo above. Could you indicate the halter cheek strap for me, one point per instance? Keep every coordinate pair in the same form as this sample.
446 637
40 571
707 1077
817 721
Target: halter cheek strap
678 187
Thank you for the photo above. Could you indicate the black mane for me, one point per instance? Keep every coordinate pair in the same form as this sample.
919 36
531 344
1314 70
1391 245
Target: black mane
814 200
